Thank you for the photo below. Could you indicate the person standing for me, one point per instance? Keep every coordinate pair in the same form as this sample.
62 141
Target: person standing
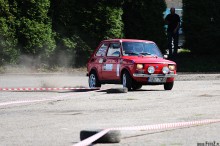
173 22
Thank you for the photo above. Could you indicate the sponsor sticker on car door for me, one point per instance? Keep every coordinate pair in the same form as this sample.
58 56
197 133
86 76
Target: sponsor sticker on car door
108 67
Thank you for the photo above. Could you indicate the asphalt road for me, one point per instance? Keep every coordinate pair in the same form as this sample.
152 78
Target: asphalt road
56 118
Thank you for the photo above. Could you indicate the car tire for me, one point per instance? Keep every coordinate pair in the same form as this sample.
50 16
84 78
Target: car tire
168 86
93 80
136 86
117 90
110 137
126 80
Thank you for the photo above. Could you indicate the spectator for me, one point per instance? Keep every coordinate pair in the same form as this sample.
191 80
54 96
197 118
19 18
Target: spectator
173 22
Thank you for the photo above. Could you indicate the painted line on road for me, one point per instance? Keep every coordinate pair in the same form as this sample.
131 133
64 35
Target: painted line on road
95 137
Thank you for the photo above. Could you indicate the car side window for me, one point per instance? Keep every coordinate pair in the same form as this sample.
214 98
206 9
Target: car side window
114 50
102 50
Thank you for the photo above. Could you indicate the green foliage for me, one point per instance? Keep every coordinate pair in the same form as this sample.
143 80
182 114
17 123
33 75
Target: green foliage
98 20
85 24
8 53
143 19
69 42
65 32
35 38
66 23
114 22
34 30
201 25
8 41
33 10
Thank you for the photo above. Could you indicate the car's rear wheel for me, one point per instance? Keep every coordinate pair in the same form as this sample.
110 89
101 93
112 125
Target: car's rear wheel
168 86
126 80
94 81
136 86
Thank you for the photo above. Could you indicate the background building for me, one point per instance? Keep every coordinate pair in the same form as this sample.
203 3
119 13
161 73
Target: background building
174 3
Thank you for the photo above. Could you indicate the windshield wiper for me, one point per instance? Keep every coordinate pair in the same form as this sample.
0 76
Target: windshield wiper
145 53
131 53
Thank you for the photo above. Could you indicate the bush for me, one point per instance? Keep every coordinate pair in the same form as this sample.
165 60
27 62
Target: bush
8 40
84 23
35 38
34 29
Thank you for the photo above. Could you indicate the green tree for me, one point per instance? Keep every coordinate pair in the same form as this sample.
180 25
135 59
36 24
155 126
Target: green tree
34 28
8 41
96 20
143 19
201 25
114 25
84 24
65 25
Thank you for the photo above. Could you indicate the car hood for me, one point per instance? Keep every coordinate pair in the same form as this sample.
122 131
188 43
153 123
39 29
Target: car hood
148 59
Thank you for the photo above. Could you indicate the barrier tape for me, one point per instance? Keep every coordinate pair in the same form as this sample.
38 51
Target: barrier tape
95 137
45 89
50 99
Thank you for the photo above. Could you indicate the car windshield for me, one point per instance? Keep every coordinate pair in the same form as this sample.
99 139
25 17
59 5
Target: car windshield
140 48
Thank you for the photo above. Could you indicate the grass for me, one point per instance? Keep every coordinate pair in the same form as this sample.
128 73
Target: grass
187 62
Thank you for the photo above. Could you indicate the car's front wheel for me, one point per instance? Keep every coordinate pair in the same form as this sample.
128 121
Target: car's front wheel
126 80
94 81
136 86
168 86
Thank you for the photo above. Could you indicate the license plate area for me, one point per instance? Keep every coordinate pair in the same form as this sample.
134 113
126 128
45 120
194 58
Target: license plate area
157 79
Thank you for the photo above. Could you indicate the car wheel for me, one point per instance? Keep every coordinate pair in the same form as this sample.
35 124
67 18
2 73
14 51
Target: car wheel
93 80
168 86
126 80
110 137
136 86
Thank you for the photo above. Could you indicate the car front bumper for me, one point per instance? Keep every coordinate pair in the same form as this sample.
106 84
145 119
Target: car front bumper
154 75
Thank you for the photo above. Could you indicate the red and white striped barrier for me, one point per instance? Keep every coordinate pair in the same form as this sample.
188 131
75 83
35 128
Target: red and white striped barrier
2 104
45 89
95 137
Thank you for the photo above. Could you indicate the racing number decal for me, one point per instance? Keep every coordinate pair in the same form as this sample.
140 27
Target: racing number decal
108 67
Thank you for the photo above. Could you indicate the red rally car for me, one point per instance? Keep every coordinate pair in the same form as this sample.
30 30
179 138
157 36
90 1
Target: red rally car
130 62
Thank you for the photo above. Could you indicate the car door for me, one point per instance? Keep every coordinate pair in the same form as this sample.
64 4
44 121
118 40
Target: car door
110 68
99 58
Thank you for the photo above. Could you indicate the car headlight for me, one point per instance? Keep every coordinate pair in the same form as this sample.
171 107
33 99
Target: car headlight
165 70
172 67
151 69
140 66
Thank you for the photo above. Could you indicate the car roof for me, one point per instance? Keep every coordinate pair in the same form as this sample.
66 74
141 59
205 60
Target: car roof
128 40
